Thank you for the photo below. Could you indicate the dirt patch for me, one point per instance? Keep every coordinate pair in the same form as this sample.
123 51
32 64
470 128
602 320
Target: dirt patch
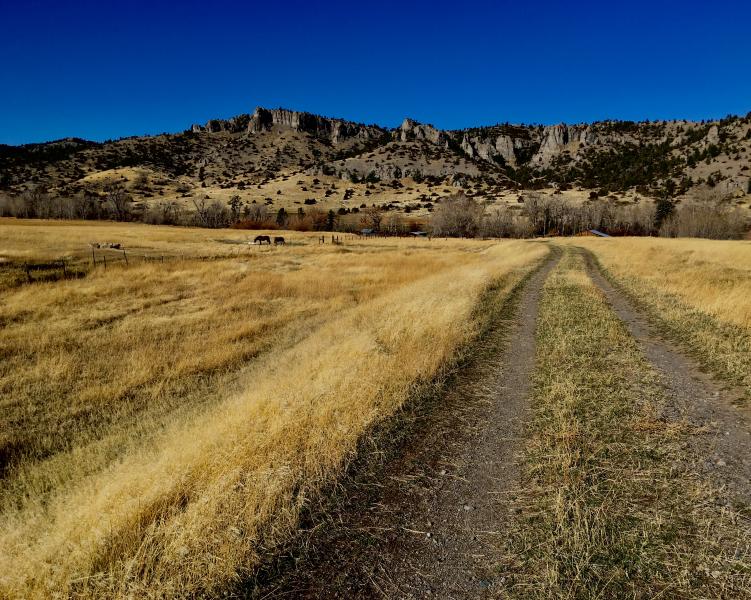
724 450
427 524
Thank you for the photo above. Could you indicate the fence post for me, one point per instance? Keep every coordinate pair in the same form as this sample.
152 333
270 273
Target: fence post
105 261
126 257
28 272
65 271
93 257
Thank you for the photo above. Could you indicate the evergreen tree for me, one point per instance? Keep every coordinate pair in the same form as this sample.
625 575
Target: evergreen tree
282 217
663 210
330 220
234 206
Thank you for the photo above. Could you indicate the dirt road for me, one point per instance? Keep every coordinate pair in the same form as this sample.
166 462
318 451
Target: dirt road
426 526
724 451
428 523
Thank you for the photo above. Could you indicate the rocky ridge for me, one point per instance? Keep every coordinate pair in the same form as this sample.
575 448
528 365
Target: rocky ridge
654 158
336 131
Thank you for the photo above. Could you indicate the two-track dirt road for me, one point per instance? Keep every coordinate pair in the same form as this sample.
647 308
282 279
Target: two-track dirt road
429 523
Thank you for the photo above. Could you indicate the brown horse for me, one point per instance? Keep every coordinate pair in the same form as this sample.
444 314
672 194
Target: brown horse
278 240
262 239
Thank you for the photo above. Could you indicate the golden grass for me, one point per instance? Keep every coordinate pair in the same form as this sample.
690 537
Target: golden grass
699 290
610 507
164 424
709 275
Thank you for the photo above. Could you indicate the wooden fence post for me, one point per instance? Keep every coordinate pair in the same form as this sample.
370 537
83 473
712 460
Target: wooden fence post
126 257
105 261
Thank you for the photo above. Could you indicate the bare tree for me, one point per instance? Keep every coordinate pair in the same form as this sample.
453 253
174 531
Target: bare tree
395 224
118 202
498 223
374 215
164 213
216 215
202 212
33 203
457 216
711 220
256 213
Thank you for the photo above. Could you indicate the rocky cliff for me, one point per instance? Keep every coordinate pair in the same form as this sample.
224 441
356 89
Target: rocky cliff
336 131
412 130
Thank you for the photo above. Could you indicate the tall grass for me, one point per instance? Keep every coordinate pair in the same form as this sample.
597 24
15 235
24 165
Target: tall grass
166 424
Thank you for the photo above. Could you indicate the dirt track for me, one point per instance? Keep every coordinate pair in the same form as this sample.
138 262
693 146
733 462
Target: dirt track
724 451
427 526
428 523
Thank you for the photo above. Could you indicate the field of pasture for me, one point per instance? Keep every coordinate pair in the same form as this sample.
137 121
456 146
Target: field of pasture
175 405
698 291
165 421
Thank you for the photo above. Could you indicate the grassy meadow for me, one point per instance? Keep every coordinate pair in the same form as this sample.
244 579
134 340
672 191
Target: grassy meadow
699 291
163 423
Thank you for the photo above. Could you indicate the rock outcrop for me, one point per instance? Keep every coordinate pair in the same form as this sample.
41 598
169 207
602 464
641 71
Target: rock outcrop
557 138
336 130
499 150
234 125
412 130
264 119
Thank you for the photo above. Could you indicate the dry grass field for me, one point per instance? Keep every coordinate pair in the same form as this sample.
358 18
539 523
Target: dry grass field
164 423
613 504
698 290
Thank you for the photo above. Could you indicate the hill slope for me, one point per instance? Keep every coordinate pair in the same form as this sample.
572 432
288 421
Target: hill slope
282 158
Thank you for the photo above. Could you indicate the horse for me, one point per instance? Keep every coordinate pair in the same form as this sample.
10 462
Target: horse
260 239
278 240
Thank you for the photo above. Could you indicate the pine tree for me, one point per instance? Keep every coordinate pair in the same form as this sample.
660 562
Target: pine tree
282 217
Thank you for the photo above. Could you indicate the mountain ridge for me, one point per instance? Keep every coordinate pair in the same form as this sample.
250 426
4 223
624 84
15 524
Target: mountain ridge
264 149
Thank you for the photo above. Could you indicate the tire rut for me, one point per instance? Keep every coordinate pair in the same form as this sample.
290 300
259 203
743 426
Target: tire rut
428 524
723 453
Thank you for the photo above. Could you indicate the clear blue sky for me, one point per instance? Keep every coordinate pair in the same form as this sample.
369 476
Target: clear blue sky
100 69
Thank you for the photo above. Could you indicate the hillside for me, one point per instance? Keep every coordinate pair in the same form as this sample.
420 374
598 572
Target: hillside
281 159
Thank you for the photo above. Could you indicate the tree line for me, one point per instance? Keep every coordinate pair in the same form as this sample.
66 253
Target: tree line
550 215
536 214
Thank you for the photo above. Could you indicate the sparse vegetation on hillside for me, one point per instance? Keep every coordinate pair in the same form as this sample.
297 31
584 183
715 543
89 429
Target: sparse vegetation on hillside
301 158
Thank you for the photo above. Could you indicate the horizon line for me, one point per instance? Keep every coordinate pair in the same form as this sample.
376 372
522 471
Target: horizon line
386 127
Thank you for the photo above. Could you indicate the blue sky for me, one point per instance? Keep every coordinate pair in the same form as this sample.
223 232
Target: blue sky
103 69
